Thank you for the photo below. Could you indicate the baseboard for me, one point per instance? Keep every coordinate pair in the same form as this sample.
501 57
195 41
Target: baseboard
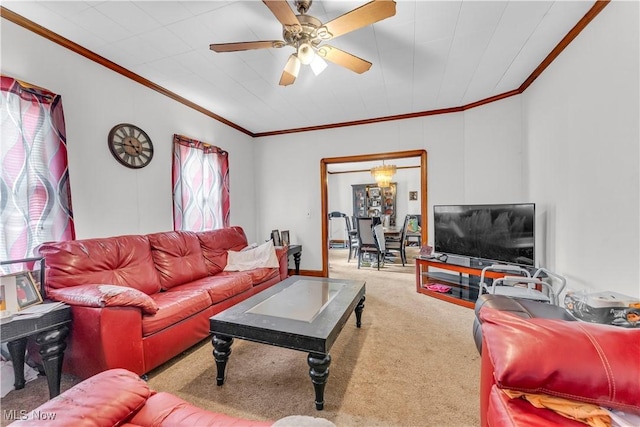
313 273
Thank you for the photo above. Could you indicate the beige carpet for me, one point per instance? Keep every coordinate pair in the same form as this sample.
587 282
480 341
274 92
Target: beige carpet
413 363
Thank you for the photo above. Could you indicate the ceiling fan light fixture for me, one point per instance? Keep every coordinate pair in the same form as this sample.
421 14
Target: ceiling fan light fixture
305 33
318 65
293 66
306 53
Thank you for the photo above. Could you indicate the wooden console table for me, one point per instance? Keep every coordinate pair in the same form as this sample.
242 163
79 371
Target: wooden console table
51 330
463 281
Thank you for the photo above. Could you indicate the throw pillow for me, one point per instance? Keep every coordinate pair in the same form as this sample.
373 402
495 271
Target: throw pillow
262 256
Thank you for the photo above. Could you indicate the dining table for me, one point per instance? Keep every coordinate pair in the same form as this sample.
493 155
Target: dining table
392 231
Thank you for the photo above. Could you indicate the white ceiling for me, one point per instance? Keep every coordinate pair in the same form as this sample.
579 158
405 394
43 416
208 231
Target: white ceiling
431 55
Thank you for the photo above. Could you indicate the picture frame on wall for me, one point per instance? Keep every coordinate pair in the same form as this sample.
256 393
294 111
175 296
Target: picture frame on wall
275 236
284 237
413 195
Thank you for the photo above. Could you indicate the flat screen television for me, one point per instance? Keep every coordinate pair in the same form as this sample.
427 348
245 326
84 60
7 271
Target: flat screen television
502 233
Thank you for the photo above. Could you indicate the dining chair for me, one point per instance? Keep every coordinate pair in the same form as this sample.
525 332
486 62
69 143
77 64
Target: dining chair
378 235
366 240
352 240
398 244
414 236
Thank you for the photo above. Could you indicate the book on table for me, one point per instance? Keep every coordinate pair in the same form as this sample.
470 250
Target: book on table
36 311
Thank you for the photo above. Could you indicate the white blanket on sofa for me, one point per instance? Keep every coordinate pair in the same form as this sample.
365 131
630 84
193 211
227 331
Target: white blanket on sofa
262 256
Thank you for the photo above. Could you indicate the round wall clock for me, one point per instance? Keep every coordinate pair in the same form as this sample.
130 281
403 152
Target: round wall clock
130 145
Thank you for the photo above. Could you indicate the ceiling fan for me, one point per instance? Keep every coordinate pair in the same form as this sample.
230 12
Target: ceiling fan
305 34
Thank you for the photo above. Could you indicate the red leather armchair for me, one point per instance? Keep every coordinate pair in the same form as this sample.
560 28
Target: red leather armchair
577 361
119 397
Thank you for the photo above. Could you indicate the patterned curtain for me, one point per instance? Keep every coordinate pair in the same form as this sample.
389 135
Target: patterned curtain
200 185
35 197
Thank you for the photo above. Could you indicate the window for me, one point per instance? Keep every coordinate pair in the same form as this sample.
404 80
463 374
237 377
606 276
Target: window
200 185
35 196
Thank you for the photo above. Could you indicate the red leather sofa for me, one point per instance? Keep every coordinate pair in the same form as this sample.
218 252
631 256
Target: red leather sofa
139 300
577 361
118 397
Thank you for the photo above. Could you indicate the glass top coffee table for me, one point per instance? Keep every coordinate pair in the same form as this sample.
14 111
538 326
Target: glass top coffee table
300 313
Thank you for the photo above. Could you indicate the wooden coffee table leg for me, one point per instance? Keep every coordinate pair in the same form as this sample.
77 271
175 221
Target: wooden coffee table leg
221 352
319 372
359 309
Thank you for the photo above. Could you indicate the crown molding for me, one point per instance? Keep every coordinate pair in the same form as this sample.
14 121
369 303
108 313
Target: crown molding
56 38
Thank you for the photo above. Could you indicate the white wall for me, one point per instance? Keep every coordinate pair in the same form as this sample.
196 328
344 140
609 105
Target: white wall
582 134
472 156
108 198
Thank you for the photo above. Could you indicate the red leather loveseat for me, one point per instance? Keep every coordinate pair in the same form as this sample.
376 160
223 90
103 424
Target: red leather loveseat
118 397
139 300
566 365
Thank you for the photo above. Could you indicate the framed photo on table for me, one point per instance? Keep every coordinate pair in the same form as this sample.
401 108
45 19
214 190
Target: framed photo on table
284 237
18 291
27 290
275 236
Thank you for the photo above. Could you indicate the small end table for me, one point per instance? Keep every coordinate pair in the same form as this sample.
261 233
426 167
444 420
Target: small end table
51 330
296 251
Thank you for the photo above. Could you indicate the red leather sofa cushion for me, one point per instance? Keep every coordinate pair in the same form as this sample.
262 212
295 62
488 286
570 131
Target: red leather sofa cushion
220 287
587 362
164 409
216 243
178 257
174 307
123 260
257 276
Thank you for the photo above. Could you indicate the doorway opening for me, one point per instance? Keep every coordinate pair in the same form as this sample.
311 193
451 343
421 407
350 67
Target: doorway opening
324 191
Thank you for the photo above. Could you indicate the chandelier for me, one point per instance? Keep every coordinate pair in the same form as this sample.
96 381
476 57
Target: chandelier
383 174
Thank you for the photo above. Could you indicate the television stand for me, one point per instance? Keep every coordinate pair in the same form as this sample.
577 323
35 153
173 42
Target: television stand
463 282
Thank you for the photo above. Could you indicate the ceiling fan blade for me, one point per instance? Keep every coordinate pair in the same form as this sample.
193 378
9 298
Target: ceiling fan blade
283 12
367 14
234 47
344 59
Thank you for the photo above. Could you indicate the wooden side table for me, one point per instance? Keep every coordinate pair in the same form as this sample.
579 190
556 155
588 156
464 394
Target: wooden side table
51 330
296 251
